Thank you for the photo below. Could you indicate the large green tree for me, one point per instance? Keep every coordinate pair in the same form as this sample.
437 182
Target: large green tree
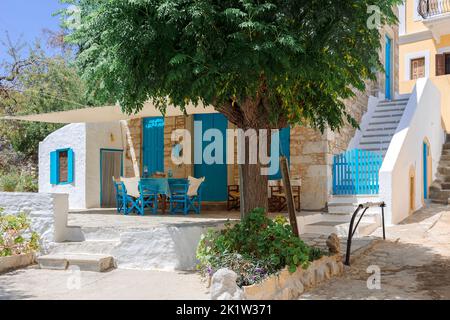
262 63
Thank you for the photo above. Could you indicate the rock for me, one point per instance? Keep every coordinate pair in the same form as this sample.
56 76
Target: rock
333 244
224 287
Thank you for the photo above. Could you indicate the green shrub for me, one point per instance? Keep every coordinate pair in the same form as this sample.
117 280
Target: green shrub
16 237
254 248
14 181
9 181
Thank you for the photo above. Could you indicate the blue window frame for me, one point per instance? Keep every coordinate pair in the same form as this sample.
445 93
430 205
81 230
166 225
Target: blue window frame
62 166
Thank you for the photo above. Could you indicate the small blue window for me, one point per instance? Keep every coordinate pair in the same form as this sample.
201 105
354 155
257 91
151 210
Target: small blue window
61 166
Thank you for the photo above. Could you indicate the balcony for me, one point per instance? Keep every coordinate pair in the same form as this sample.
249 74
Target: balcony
436 16
433 8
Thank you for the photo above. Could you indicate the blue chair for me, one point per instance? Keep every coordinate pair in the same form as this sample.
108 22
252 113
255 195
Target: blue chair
148 197
180 201
125 203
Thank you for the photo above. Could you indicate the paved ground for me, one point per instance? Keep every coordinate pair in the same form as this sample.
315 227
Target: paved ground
117 284
414 262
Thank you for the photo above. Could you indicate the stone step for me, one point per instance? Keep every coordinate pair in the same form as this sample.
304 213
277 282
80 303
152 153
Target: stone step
85 247
387 130
388 117
380 139
340 228
439 194
399 102
85 262
376 123
349 210
385 110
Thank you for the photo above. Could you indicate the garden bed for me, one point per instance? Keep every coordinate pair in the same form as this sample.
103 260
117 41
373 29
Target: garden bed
286 285
10 263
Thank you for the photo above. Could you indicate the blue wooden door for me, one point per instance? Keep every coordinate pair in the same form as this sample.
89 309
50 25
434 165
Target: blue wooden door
215 185
387 67
285 150
153 144
425 171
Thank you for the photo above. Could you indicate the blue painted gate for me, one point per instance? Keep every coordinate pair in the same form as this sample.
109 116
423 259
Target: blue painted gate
153 144
216 182
356 172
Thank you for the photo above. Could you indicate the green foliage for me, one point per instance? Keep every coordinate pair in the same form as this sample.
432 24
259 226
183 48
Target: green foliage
16 237
45 84
291 60
254 248
15 181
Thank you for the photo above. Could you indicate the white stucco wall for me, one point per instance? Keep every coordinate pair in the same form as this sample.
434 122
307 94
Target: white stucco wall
48 215
421 120
99 136
86 140
71 136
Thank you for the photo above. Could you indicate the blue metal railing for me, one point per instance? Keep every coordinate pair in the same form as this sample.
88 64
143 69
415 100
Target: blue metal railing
356 172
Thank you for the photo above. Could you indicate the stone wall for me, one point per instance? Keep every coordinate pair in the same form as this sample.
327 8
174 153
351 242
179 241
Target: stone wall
47 212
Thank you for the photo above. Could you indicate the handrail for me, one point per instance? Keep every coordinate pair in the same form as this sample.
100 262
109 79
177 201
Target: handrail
351 230
430 8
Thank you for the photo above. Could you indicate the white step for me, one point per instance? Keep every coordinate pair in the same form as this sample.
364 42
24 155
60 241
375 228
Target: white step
85 262
85 247
383 139
340 228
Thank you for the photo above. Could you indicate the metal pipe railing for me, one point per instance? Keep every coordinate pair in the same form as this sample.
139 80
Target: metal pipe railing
351 229
431 8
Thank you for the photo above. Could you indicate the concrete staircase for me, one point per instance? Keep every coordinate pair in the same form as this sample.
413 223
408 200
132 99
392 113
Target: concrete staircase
376 134
382 125
440 188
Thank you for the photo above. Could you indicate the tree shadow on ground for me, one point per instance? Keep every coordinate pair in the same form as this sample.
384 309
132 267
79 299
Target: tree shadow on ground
407 271
7 289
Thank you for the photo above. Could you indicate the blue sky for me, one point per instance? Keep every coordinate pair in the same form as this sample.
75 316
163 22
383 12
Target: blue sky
27 18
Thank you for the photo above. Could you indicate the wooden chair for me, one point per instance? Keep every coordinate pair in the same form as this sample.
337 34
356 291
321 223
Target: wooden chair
278 200
234 197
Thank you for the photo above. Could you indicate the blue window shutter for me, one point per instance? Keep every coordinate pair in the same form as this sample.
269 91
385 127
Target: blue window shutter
70 166
54 167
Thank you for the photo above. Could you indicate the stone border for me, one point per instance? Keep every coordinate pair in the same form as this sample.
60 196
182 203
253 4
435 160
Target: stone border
281 286
10 263
287 286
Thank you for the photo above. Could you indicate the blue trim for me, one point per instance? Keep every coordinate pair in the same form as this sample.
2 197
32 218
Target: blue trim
54 166
285 150
101 167
425 173
387 67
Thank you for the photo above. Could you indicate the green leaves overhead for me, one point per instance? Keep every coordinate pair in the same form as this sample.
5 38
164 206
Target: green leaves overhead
296 60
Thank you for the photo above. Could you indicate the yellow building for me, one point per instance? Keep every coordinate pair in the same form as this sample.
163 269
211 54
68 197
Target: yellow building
425 48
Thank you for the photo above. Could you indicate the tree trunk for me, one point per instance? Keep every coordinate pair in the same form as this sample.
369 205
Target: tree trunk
253 184
254 188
